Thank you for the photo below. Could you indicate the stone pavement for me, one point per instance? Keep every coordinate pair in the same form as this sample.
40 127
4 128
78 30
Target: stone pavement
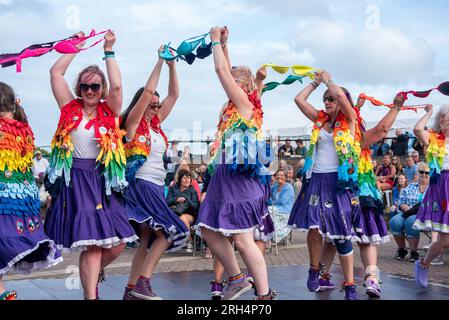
45 284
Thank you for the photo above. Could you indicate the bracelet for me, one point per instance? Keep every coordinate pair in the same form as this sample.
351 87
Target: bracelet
314 85
326 82
399 108
109 55
215 43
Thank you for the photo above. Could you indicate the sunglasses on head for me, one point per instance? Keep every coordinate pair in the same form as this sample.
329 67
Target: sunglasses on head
424 172
155 106
94 87
328 98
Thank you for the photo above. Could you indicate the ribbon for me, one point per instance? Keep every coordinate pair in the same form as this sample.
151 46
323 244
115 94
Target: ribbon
379 103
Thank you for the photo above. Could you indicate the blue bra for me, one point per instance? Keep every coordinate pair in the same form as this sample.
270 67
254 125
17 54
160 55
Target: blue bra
186 48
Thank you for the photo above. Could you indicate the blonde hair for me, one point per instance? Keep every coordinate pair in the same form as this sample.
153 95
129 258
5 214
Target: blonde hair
423 166
444 111
248 79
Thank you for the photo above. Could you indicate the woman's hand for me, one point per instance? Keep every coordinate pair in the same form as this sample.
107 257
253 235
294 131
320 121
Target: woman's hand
326 76
109 40
181 199
429 108
224 34
80 35
399 100
215 34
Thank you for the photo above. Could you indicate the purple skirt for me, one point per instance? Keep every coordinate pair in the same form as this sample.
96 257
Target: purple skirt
265 234
319 206
82 215
433 215
145 203
233 204
373 228
24 246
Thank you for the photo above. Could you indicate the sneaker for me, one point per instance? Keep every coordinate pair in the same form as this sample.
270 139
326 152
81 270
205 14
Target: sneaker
401 253
438 261
8 295
426 247
372 288
144 291
189 247
414 256
421 275
351 292
233 291
128 296
253 283
272 295
325 284
217 290
313 283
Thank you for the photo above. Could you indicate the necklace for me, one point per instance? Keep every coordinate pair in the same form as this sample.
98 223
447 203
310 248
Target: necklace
90 114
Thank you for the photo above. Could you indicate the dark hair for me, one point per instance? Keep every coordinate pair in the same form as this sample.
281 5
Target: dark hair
95 70
9 103
136 98
347 94
182 173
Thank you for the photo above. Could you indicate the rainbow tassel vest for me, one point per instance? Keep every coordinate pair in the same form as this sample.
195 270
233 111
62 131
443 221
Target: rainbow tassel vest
346 146
436 151
139 148
109 136
19 195
239 142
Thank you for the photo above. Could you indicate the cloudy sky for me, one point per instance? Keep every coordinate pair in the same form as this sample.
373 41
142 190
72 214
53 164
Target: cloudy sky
373 46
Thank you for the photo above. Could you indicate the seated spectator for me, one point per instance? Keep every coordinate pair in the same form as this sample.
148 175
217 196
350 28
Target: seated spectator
400 144
184 166
290 179
415 157
410 169
374 162
282 164
281 202
300 150
381 148
396 161
286 149
408 206
397 189
385 174
418 147
183 199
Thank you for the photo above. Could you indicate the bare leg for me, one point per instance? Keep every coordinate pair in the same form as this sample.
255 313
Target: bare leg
154 254
222 249
109 255
140 255
400 240
253 259
2 286
413 242
347 264
218 270
368 254
314 243
327 255
89 266
437 248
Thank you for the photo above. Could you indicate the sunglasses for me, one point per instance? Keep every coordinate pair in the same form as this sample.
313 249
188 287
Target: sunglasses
94 87
328 98
155 106
424 172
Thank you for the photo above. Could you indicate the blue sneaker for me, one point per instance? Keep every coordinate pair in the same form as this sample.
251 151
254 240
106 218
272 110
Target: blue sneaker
421 275
313 282
325 284
372 288
351 292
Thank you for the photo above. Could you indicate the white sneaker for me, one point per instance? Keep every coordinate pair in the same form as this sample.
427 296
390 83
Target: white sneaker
427 246
438 261
189 247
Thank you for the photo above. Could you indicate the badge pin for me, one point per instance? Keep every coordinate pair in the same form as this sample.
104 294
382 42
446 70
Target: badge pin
103 130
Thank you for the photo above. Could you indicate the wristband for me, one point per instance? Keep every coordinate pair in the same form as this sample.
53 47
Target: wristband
109 55
215 43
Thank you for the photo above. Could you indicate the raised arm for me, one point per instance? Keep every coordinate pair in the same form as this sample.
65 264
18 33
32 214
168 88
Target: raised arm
301 99
59 86
232 89
261 74
419 130
379 132
115 95
136 114
173 92
224 44
342 100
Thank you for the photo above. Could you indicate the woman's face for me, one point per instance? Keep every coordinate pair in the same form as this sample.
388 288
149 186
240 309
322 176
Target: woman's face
394 160
153 107
185 181
91 88
402 180
239 79
424 176
330 103
280 177
7 115
386 160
